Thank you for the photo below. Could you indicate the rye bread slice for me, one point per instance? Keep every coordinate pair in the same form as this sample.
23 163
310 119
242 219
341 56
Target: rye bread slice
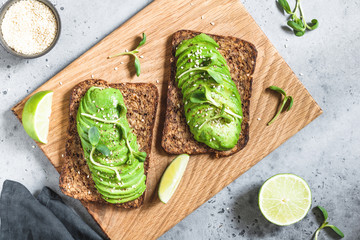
141 100
240 56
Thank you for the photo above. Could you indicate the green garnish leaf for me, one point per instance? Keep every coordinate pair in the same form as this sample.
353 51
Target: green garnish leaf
133 53
314 24
137 65
103 149
324 212
94 136
291 103
299 33
298 24
277 89
325 224
143 41
285 5
295 26
198 97
215 75
141 156
335 229
283 103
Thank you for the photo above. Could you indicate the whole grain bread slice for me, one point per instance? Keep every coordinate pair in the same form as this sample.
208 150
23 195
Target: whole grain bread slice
241 59
141 100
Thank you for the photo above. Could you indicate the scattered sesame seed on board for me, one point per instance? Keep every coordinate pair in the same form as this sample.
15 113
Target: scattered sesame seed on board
116 68
202 17
121 62
212 23
259 119
60 83
92 76
141 56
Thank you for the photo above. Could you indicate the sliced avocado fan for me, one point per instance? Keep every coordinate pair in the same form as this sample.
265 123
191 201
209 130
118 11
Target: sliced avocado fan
212 102
119 177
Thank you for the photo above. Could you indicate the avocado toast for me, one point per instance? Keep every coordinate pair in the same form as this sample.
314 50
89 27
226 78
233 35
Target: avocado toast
76 179
181 132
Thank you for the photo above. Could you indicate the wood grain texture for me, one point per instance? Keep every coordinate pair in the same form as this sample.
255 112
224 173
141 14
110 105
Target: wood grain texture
204 176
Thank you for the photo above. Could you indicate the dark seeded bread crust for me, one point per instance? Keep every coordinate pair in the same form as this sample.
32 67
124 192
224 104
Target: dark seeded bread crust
241 58
141 100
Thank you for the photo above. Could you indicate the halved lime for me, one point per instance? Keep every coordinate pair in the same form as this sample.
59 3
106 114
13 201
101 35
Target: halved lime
284 199
35 116
172 176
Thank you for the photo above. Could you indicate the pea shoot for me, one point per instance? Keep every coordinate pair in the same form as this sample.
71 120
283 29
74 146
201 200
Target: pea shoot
298 24
133 53
326 225
286 99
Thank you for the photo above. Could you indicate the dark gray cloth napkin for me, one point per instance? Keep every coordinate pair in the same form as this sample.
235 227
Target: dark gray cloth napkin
47 217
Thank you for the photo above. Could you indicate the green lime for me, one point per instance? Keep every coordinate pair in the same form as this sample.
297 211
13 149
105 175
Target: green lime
35 116
172 176
284 199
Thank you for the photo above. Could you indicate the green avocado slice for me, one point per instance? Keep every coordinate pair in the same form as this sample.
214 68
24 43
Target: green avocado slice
119 177
212 102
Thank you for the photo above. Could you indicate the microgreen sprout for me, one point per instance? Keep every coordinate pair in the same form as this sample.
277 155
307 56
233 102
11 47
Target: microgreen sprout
283 103
298 24
326 225
133 53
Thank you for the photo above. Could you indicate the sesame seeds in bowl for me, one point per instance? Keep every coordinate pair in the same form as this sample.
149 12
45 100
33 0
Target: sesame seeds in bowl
29 28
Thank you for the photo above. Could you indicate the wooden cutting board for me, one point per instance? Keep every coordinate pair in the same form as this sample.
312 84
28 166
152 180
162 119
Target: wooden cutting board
204 176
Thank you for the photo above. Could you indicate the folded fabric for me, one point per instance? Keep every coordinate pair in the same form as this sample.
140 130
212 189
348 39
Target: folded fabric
24 217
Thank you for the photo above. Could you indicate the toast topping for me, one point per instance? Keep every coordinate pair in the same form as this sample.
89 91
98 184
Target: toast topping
211 99
118 172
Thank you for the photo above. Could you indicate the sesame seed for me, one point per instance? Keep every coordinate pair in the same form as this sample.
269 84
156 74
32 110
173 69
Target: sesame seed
115 68
141 56
60 83
62 155
87 176
157 81
212 23
89 192
126 50
78 172
121 62
259 119
202 17
92 76
33 146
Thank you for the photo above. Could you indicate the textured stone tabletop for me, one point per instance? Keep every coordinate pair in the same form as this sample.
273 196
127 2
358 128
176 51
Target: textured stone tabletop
326 153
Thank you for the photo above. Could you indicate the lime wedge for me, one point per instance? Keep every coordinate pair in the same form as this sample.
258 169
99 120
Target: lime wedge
172 176
284 199
35 116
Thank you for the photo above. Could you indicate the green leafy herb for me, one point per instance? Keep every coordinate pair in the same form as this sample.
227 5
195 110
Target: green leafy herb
94 136
298 24
103 149
286 99
326 224
133 53
216 76
203 95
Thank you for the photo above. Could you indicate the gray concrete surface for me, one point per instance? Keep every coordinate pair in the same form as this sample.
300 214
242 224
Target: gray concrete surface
326 153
